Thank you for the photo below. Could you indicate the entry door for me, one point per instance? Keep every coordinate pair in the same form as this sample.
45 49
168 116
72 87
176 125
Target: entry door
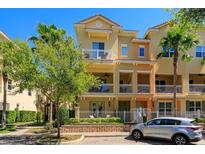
124 110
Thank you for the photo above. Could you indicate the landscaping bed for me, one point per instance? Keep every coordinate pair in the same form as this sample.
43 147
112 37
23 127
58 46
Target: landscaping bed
7 130
87 121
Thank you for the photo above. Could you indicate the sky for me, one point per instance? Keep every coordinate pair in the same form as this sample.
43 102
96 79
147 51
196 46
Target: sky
22 23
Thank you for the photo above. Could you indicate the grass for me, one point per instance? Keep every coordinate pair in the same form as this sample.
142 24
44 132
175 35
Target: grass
7 130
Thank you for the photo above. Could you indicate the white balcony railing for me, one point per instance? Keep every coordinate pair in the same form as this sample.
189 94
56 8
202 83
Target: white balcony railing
197 88
103 88
143 88
125 88
167 89
98 54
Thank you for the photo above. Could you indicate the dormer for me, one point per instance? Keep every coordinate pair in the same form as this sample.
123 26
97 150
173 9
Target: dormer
97 26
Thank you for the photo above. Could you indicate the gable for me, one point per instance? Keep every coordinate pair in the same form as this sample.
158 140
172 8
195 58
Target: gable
98 24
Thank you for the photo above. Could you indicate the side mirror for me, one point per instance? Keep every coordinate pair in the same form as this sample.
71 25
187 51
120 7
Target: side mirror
145 124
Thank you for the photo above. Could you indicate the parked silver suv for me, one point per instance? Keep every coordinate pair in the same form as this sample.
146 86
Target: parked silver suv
178 130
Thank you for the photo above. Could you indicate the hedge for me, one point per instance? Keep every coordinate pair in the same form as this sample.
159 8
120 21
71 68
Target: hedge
10 116
21 116
200 120
26 116
111 120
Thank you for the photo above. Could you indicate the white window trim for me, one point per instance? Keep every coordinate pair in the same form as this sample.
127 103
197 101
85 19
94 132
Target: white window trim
141 46
123 45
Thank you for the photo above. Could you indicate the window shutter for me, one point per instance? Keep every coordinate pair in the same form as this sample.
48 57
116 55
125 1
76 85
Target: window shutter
187 105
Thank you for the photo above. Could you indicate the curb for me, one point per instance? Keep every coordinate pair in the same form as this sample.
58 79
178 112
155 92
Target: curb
63 143
74 141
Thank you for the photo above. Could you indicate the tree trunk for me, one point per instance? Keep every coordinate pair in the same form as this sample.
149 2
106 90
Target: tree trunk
51 112
5 81
175 81
58 121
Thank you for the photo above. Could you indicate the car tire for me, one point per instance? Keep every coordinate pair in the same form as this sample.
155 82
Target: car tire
137 135
180 139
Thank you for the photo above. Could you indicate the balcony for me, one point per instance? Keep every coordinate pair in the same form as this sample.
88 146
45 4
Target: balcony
197 88
125 88
197 83
143 88
97 54
103 88
168 89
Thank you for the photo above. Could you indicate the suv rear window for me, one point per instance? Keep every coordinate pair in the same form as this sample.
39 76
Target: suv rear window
194 123
170 122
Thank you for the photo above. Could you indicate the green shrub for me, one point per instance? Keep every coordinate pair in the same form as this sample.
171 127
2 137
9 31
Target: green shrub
200 120
112 120
10 116
39 117
17 115
64 114
27 116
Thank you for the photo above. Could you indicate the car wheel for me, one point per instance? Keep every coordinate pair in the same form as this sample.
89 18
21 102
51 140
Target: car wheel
180 140
137 135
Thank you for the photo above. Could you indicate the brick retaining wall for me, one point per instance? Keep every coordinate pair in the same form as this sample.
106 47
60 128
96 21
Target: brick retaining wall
94 128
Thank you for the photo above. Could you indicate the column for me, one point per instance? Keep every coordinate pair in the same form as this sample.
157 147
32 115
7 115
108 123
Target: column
134 80
152 82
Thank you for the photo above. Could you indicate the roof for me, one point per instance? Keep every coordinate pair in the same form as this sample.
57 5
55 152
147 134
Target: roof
4 35
155 28
159 25
98 15
175 118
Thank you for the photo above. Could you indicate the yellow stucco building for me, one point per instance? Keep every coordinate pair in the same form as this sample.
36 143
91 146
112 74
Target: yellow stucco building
25 100
132 76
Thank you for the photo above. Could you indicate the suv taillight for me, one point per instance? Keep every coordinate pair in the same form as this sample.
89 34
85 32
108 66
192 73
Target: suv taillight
194 128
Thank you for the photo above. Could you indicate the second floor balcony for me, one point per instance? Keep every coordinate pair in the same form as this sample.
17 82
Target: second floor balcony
143 88
103 88
197 88
97 54
197 83
168 89
125 88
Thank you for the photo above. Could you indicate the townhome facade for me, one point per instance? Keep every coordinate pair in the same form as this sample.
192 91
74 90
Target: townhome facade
24 101
133 78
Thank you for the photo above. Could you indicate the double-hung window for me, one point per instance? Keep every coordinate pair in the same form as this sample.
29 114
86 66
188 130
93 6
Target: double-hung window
141 51
200 51
124 50
169 53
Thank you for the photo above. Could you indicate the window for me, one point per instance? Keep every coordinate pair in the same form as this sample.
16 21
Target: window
194 105
9 84
200 51
168 54
29 92
154 122
123 49
98 49
165 107
170 122
142 51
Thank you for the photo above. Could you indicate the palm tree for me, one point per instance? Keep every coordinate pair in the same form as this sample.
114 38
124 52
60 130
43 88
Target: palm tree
180 37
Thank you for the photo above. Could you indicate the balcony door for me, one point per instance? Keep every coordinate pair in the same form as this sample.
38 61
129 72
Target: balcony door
98 49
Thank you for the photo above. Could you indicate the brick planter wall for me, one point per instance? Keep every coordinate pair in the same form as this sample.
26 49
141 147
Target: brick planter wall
94 128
